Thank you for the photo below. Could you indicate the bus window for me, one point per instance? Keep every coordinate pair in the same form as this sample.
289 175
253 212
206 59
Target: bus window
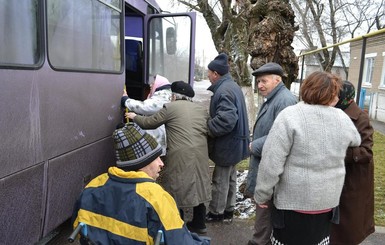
170 47
19 32
84 35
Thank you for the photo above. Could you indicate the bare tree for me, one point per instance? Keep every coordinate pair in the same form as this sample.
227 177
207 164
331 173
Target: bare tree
260 31
326 22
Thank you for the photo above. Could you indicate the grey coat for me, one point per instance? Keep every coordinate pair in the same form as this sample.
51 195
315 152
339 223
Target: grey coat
276 101
186 175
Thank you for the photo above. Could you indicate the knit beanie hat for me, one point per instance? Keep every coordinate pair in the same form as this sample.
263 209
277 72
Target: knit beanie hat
219 64
134 147
181 87
346 96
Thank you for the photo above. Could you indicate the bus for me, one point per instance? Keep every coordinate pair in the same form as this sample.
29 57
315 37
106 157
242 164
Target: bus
63 67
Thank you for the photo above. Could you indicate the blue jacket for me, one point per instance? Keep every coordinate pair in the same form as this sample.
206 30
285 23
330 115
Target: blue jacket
276 101
228 123
121 207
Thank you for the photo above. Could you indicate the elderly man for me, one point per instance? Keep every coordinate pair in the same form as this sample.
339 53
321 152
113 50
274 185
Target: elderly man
277 97
229 137
125 205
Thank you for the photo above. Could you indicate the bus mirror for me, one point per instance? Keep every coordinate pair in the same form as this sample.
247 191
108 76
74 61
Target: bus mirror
171 41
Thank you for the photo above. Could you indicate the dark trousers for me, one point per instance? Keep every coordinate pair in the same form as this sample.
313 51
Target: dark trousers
199 216
262 225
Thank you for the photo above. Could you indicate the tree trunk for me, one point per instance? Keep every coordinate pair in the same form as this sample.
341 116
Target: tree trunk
252 32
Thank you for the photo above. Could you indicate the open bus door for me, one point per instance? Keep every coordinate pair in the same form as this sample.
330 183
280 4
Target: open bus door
167 48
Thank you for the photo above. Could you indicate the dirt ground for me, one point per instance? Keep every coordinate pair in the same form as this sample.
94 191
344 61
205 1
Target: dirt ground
237 232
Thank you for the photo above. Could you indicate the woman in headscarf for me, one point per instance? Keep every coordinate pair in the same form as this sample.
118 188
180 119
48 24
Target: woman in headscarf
357 197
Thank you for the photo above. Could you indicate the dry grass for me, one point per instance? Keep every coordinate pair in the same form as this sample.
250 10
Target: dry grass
379 178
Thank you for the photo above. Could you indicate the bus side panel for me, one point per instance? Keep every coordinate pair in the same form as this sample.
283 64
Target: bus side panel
21 143
20 207
45 113
67 176
48 114
78 109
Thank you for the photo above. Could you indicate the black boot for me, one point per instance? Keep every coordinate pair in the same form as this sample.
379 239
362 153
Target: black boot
197 224
228 216
210 217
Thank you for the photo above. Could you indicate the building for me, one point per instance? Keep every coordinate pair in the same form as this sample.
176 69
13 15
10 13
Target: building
311 64
372 89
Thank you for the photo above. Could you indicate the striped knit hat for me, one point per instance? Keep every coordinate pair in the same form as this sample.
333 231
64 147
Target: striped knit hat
134 147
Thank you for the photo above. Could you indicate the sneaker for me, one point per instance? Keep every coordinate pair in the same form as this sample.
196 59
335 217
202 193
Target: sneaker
210 217
192 228
228 216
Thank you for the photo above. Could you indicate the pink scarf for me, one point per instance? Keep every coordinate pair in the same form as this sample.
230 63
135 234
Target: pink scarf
159 82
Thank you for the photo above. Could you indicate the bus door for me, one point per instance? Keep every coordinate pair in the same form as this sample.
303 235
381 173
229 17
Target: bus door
158 44
133 41
170 46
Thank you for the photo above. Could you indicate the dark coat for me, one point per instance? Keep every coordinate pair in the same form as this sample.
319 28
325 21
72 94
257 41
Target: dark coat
279 98
228 123
357 197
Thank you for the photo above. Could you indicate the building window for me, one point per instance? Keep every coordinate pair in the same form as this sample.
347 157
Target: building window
382 82
368 69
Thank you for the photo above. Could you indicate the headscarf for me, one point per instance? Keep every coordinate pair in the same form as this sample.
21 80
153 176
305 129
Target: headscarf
346 96
159 82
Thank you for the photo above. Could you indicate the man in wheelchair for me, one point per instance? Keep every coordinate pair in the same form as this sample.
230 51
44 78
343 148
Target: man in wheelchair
125 205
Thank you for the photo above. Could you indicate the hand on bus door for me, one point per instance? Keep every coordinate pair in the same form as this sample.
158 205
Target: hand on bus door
124 92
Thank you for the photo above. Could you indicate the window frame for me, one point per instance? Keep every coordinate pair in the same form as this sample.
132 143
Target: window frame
40 50
367 69
382 80
94 70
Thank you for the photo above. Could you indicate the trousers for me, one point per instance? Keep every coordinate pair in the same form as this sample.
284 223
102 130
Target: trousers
262 226
224 188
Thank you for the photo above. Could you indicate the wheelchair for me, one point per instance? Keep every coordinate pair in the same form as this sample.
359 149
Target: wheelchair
82 228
